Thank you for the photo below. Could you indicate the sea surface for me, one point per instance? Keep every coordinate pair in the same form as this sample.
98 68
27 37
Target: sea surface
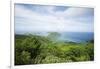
77 36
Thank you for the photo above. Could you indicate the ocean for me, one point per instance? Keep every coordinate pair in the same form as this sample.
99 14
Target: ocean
77 36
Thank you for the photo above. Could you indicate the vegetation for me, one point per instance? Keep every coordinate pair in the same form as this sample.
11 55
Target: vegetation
36 49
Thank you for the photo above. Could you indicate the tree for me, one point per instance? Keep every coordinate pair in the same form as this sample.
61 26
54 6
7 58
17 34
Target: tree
22 58
53 36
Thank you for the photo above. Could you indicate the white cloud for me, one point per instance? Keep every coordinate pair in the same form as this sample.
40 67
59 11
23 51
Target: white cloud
29 20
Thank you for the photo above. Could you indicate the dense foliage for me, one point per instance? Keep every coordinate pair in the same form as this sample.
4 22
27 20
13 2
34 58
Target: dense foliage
35 49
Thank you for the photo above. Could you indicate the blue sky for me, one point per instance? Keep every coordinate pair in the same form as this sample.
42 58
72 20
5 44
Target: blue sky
48 18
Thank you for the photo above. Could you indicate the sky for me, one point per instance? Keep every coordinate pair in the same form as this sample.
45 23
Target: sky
50 18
